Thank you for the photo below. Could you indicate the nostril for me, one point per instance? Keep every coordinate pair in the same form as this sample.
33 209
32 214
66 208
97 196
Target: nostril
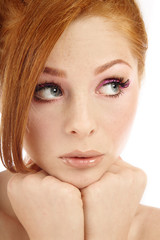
73 132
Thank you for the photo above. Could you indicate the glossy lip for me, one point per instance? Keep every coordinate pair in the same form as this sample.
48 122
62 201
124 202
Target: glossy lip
77 153
80 159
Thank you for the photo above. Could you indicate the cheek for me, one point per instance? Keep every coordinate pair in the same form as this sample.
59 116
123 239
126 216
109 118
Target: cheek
120 122
42 133
115 117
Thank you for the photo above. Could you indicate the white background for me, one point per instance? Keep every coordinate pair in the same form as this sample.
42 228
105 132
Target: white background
143 146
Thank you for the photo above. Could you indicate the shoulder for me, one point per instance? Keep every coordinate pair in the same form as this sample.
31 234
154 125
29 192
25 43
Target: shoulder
146 224
10 227
5 205
151 222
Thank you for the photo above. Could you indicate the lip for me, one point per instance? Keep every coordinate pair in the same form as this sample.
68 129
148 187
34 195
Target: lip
78 153
78 159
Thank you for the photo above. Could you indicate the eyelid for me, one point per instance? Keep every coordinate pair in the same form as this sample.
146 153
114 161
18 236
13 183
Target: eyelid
46 84
42 87
118 80
113 80
110 80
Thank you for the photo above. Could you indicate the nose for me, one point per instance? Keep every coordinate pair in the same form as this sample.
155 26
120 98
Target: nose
80 121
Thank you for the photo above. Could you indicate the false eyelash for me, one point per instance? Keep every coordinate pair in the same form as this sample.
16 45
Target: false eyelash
125 84
116 80
119 81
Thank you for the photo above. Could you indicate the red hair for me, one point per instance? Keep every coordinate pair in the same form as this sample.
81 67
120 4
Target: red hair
28 32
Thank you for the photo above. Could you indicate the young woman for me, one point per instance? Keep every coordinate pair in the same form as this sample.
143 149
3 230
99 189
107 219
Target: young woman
70 76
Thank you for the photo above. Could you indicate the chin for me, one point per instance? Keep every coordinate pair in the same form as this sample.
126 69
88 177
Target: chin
80 178
80 185
81 182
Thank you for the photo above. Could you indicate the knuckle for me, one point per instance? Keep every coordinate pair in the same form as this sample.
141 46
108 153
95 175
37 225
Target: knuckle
54 185
47 180
131 176
129 172
28 179
50 183
60 188
29 183
132 172
135 176
116 179
112 176
127 177
13 182
141 177
10 185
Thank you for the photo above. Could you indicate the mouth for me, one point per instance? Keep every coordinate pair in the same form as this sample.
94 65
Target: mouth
78 159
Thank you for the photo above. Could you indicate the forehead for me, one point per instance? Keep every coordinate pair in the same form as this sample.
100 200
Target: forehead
90 39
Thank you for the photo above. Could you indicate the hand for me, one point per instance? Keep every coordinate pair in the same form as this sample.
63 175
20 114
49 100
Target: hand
46 207
110 204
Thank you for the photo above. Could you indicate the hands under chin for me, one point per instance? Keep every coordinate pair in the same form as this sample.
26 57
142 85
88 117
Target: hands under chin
51 209
110 204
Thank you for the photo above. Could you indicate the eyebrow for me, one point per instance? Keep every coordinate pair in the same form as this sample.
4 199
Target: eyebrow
110 64
55 72
60 73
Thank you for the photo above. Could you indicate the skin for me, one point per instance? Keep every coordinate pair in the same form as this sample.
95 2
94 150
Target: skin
96 203
82 119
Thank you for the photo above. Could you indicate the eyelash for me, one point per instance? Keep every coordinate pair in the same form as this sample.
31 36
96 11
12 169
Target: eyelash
119 81
43 86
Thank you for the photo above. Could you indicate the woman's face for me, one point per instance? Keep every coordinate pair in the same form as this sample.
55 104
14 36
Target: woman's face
85 100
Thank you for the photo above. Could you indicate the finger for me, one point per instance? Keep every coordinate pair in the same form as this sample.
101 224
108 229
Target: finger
17 178
119 165
120 162
116 167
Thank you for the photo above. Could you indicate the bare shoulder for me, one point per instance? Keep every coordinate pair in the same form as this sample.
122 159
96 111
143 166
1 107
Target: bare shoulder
5 205
146 224
10 227
4 177
151 222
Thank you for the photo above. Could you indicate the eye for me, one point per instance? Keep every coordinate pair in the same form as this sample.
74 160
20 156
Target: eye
112 87
47 91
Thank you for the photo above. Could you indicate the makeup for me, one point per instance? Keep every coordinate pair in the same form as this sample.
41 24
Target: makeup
112 87
82 162
78 159
47 92
118 81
